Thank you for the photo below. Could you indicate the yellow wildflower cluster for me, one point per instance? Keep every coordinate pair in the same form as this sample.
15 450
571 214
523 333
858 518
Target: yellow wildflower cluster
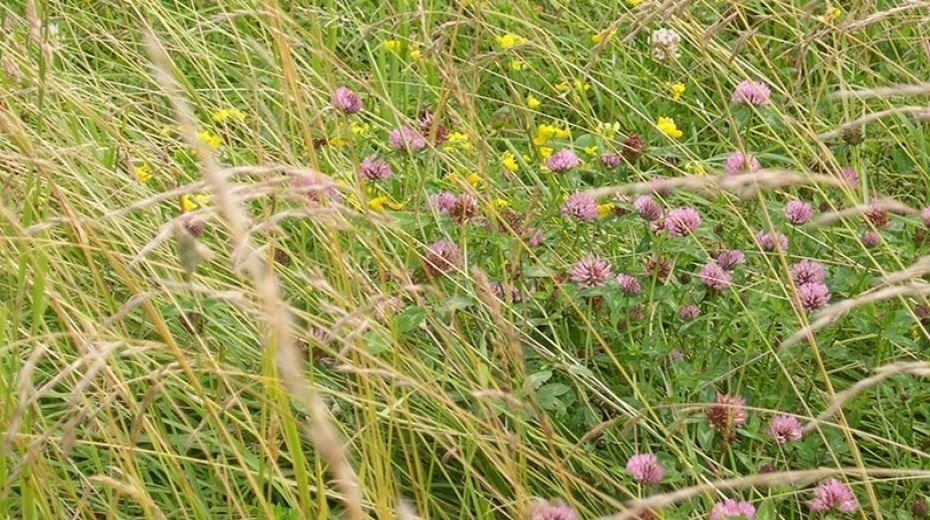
142 172
517 65
191 202
545 132
228 114
532 103
361 129
676 90
392 46
667 126
603 35
211 140
457 140
603 210
509 160
608 130
509 41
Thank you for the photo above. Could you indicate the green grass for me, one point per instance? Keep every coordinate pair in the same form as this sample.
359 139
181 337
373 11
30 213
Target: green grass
130 388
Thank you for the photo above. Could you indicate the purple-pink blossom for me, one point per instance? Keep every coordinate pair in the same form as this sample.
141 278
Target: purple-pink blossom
628 284
372 168
728 259
441 202
807 271
647 208
442 256
727 412
798 211
715 277
580 206
681 222
346 101
562 161
835 495
870 239
732 508
591 271
405 138
552 510
769 241
688 312
739 162
610 160
751 93
851 176
813 295
317 188
925 216
784 428
645 468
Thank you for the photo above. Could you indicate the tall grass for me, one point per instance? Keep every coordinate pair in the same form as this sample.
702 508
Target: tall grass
296 360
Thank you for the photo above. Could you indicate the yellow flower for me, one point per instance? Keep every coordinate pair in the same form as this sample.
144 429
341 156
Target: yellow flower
676 89
228 114
532 103
509 41
457 140
500 203
474 179
603 35
562 86
509 162
336 142
543 133
563 133
362 129
517 65
414 52
695 168
608 130
377 203
210 139
590 150
633 3
191 202
582 86
668 127
545 152
392 46
143 172
831 15
604 209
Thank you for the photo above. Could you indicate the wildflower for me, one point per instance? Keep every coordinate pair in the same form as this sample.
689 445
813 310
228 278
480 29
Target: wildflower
441 202
228 114
442 256
784 428
142 172
562 161
501 292
688 312
414 52
772 240
562 86
664 44
695 167
852 135
632 147
633 3
610 160
676 90
545 152
209 139
831 14
591 271
603 210
920 508
510 162
732 508
316 189
457 140
499 203
728 412
715 277
509 41
728 259
608 130
813 295
543 134
362 129
681 222
580 206
851 176
377 203
807 271
833 494
516 65
404 138
667 126
751 93
798 211
628 284
552 510
191 202
738 162
532 102
336 142
371 168
535 237
464 208
877 215
473 179
645 468
590 150
925 216
657 226
392 46
659 267
870 239
647 208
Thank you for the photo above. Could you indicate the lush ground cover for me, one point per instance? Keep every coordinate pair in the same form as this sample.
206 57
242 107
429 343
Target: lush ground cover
464 259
